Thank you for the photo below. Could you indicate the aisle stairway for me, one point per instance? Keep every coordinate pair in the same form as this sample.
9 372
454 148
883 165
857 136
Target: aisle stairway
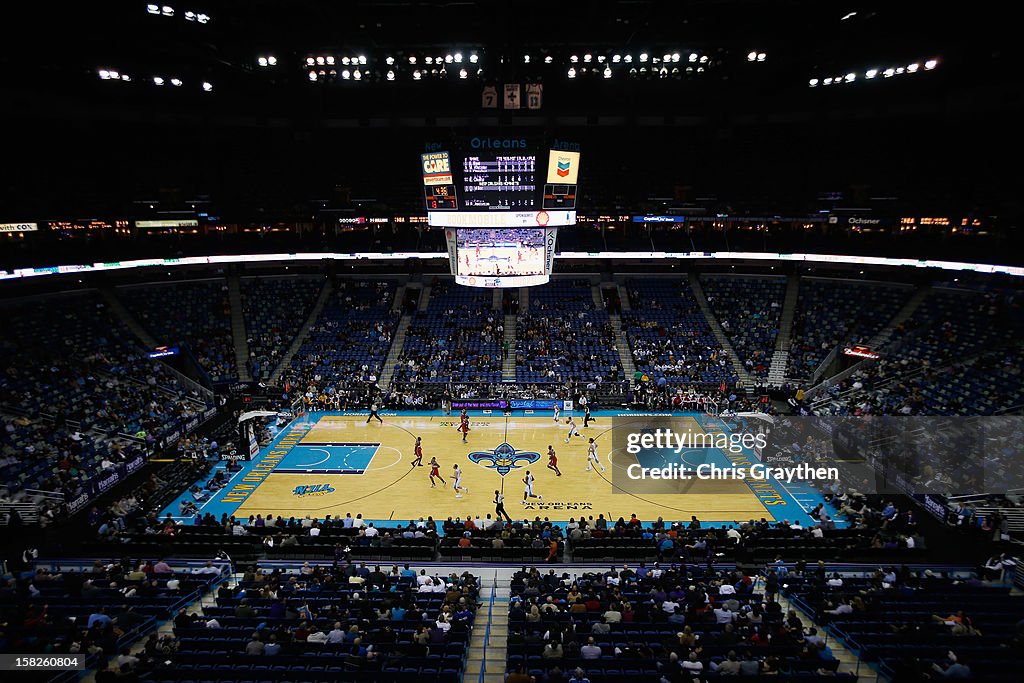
848 662
624 298
698 292
396 307
508 365
780 359
300 337
622 344
488 643
238 331
397 344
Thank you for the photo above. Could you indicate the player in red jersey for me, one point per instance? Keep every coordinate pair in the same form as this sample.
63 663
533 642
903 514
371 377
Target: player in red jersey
464 425
435 473
418 460
553 461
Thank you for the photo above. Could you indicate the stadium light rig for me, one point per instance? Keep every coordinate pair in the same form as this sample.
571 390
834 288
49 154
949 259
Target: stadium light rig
874 72
112 75
168 11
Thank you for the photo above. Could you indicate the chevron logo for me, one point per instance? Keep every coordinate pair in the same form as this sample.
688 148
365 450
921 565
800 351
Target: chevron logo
563 168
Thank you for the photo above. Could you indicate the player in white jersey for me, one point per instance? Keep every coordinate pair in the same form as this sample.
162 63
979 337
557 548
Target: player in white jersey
457 482
557 410
528 491
572 429
592 456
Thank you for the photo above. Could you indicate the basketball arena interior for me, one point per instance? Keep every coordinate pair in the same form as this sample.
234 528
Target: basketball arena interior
486 341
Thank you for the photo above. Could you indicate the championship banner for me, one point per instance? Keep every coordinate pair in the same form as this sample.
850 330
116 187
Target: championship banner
511 96
534 95
489 97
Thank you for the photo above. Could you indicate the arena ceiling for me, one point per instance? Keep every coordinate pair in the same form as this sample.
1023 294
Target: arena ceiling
192 108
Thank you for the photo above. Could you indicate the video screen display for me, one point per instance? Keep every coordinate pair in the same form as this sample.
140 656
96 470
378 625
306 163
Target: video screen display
500 252
499 182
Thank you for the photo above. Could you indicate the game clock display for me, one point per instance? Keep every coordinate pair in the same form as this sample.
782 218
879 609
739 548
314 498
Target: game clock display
440 198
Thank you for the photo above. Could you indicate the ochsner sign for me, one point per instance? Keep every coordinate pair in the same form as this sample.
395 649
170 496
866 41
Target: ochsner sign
19 227
550 236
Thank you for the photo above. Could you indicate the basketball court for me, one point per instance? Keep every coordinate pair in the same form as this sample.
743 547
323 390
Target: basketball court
333 464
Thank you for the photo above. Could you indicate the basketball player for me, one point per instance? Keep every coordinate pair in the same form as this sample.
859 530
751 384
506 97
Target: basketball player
528 491
435 473
553 461
464 426
457 482
373 413
557 410
573 431
463 420
592 456
499 506
418 460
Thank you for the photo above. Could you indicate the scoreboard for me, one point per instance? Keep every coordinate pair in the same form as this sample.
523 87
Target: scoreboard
490 174
440 198
499 182
500 201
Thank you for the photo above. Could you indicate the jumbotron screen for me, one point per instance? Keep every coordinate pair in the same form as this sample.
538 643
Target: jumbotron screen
501 257
500 252
500 201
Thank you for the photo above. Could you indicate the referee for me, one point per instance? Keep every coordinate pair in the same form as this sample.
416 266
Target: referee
499 506
373 413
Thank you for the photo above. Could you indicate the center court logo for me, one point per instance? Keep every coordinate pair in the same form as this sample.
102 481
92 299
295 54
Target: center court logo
313 490
504 458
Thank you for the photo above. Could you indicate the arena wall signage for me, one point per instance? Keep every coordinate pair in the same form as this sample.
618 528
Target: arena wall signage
163 352
501 219
478 405
171 223
659 219
18 227
539 404
1015 271
860 351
